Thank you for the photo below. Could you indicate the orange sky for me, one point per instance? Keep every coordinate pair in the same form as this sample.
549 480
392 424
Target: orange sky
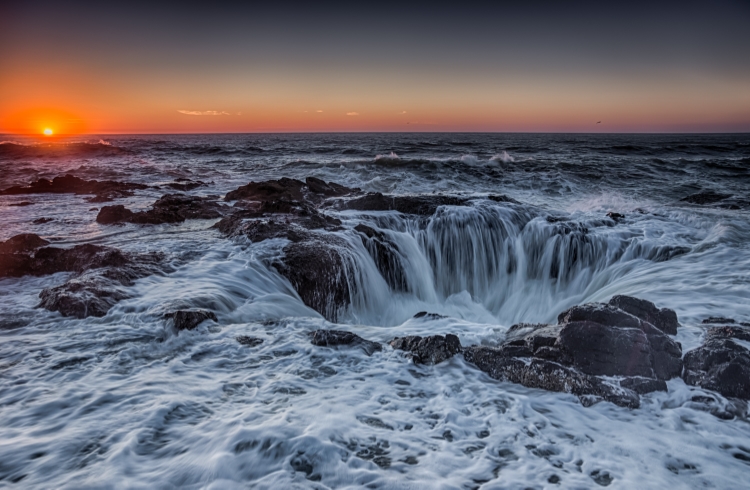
79 84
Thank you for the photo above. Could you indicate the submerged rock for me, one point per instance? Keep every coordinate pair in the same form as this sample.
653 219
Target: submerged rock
170 208
74 185
721 365
248 341
189 319
334 338
705 197
428 350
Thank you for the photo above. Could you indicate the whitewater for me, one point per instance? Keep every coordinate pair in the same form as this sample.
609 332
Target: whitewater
127 401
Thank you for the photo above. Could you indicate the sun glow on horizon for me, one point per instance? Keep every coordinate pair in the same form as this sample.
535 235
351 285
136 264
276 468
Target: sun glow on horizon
47 132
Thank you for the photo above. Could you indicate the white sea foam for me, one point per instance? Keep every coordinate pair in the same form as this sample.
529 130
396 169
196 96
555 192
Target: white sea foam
125 400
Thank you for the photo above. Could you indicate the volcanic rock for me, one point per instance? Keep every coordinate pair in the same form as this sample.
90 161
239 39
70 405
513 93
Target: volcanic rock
706 197
189 319
88 295
316 268
386 255
603 340
248 341
74 185
334 338
664 319
425 205
95 291
739 332
721 365
718 319
428 350
185 184
313 190
548 375
23 243
170 208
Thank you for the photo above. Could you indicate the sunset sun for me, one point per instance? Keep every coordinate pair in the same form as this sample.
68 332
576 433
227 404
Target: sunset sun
47 132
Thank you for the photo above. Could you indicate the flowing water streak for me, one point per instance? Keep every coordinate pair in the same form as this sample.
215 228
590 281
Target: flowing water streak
126 400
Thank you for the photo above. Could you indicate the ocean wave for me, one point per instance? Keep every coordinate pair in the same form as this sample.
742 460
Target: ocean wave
100 148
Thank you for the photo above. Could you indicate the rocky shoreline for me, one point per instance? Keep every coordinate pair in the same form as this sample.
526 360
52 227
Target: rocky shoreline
612 352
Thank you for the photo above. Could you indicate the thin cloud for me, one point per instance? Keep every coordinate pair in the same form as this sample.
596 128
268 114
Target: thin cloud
318 110
402 112
205 113
352 113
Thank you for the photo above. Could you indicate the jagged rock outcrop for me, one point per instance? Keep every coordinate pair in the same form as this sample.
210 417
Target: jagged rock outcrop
335 338
664 319
99 288
170 208
312 190
75 185
589 341
189 319
721 364
428 350
386 256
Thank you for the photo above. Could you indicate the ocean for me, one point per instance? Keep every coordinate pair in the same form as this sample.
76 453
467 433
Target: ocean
125 400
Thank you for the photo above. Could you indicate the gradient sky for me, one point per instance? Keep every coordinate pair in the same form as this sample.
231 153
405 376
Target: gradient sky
459 66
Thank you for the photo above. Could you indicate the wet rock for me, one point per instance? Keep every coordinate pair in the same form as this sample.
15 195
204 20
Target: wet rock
420 205
643 386
334 338
615 216
603 340
74 185
664 319
313 190
277 219
88 295
718 320
706 197
739 332
248 341
170 208
95 291
41 221
721 365
185 184
316 269
189 319
50 260
21 204
428 350
547 375
386 256
23 243
428 316
502 198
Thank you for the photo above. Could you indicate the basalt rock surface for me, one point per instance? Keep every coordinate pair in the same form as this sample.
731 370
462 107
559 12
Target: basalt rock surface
170 208
721 364
664 319
189 319
589 341
75 185
312 190
97 289
335 338
386 255
428 350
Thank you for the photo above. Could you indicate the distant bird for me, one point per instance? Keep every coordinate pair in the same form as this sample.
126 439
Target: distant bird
598 122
